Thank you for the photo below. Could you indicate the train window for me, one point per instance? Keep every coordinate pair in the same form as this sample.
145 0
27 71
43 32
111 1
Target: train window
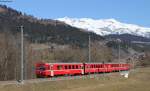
65 66
40 68
76 66
72 66
69 66
59 67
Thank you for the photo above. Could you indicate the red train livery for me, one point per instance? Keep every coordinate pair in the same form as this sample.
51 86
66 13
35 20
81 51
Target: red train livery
55 69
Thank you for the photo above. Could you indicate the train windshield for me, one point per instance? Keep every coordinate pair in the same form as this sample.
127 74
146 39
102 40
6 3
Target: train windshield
40 68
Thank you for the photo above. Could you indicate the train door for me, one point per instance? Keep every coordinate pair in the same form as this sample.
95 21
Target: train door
84 68
109 68
51 70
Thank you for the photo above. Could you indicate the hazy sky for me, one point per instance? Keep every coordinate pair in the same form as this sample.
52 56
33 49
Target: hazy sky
128 11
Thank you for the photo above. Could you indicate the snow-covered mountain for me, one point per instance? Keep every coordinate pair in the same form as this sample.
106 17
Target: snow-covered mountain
106 26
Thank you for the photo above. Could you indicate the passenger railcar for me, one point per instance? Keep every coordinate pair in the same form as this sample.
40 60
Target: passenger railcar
55 69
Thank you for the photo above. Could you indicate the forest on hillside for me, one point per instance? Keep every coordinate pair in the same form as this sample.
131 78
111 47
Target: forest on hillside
43 30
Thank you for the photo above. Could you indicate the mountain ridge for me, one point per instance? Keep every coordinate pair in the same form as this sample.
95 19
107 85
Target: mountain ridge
106 26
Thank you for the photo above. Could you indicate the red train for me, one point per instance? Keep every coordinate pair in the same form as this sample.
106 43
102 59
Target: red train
55 69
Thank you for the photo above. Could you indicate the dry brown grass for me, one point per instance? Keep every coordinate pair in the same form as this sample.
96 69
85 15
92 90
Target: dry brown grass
139 80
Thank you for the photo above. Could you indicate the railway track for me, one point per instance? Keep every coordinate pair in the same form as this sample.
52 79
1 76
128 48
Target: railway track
58 78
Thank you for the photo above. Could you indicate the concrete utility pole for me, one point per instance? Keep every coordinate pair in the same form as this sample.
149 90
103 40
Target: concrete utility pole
119 53
22 58
89 48
119 41
89 56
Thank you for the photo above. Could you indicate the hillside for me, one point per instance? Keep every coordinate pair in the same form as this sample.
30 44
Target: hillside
137 43
42 30
128 37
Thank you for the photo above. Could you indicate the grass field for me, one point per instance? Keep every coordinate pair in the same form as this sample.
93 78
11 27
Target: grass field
139 80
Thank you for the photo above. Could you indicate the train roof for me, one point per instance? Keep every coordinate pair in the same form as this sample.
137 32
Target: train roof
106 63
81 63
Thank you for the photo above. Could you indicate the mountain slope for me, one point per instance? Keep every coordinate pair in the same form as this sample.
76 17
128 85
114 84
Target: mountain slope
106 26
127 37
42 30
